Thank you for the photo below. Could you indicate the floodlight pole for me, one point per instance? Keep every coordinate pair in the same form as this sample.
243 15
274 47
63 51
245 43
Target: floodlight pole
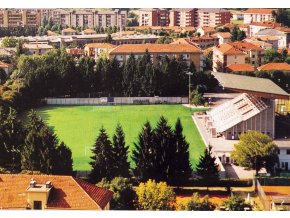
189 74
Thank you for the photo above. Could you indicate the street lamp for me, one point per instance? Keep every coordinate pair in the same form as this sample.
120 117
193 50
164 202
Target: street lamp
189 74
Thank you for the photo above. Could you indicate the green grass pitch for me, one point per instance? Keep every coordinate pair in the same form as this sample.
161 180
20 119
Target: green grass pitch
78 126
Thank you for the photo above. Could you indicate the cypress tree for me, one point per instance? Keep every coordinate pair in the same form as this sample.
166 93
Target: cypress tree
207 168
165 150
102 159
144 154
182 167
120 153
63 164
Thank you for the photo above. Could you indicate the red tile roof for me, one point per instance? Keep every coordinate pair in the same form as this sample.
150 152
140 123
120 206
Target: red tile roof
100 45
245 46
275 66
67 192
227 49
68 30
155 48
240 68
223 34
258 11
266 24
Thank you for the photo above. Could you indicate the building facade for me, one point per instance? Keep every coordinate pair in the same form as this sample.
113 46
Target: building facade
153 17
20 17
183 17
188 53
212 17
258 15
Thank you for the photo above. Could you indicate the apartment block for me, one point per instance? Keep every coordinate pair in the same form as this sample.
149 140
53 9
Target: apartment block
212 17
20 17
258 15
236 53
183 17
86 18
153 17
189 53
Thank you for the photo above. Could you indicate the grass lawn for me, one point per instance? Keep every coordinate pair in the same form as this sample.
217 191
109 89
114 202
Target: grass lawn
78 126
237 22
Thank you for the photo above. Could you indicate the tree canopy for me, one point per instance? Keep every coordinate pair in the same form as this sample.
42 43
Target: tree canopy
155 196
255 150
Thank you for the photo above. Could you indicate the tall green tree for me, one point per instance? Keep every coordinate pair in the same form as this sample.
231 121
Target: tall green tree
255 150
63 162
144 154
165 150
102 160
39 146
182 167
11 140
207 168
120 153
128 85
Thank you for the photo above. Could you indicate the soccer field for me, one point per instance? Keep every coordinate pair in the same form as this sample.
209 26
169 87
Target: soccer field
78 126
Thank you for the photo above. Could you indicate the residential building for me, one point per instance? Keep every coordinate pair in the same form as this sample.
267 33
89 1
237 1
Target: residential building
262 44
284 67
37 49
258 15
76 52
202 42
206 31
188 53
6 67
51 192
240 68
224 55
153 17
255 27
236 53
81 18
213 17
89 32
279 37
68 32
223 37
106 18
87 18
184 17
237 15
20 17
97 49
134 39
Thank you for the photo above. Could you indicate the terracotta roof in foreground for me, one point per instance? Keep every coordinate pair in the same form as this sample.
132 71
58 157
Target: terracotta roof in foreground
155 48
275 66
67 193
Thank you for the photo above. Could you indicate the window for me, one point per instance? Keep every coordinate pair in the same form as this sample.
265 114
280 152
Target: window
288 151
253 56
253 62
37 205
278 151
282 165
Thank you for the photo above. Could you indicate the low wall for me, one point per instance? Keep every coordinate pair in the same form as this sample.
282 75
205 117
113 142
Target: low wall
116 100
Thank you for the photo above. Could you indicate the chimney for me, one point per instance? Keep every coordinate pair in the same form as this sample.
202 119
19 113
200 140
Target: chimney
32 183
48 184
